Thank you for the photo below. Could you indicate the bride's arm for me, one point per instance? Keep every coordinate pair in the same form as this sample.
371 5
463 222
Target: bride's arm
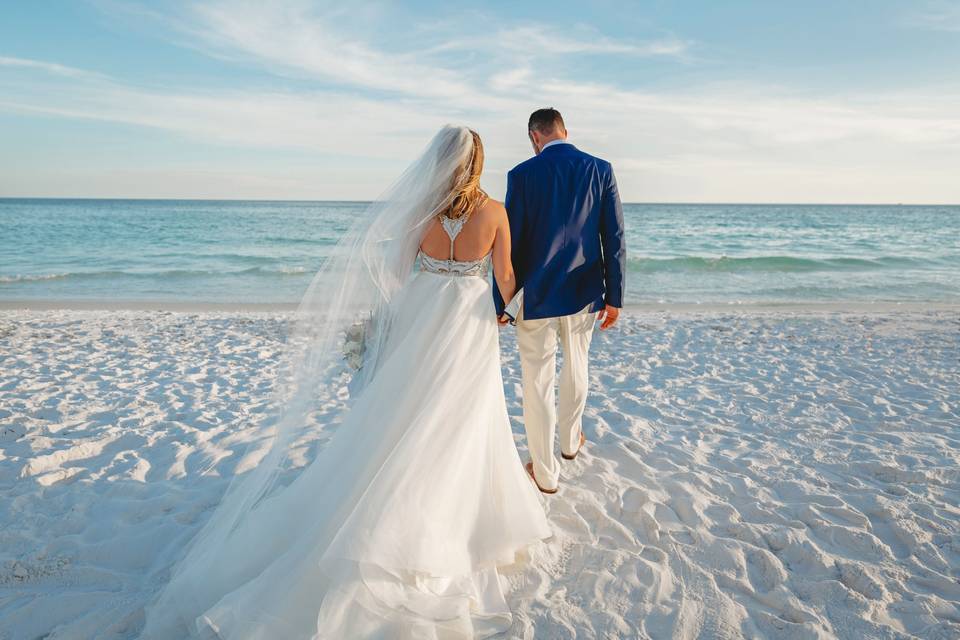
502 265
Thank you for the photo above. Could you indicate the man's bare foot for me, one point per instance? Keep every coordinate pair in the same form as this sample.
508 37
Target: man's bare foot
530 473
583 439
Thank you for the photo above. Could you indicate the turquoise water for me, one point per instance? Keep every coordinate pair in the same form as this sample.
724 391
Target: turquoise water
242 252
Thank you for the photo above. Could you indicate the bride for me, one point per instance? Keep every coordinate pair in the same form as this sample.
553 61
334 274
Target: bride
396 528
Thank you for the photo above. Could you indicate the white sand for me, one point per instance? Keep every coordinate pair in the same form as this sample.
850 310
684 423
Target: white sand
760 475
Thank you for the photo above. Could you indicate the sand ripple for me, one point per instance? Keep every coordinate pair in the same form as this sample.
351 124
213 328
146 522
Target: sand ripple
760 475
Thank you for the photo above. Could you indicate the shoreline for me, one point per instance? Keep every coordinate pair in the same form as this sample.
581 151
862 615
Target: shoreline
677 307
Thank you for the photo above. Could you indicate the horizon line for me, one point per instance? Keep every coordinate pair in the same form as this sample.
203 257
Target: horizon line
353 201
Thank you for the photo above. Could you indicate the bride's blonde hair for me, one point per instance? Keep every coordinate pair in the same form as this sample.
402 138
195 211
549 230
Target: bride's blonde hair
467 194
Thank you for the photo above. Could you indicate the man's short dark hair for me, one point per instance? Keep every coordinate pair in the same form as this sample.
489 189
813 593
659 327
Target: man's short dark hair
545 121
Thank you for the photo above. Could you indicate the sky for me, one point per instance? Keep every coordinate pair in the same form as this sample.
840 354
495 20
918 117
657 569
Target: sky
695 101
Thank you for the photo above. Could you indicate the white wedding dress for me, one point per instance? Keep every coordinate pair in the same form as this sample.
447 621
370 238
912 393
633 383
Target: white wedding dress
397 528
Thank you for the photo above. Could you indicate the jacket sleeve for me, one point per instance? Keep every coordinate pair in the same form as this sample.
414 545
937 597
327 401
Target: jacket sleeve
514 203
612 241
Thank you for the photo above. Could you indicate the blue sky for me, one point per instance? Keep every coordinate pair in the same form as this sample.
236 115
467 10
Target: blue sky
698 101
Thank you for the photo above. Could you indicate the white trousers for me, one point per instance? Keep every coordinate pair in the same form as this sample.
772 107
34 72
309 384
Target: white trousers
537 340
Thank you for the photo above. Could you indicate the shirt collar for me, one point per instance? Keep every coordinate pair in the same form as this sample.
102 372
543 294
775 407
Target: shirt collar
553 142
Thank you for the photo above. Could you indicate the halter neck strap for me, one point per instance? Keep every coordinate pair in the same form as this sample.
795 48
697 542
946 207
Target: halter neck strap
453 227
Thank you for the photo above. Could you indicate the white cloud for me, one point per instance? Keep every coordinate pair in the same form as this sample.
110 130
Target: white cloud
293 37
290 37
322 122
935 16
511 79
718 144
47 67
540 40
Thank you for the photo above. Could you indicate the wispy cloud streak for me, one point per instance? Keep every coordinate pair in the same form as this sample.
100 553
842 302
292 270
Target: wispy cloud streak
293 38
47 67
545 41
936 16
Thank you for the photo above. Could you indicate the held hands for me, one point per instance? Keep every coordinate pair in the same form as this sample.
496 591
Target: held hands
608 317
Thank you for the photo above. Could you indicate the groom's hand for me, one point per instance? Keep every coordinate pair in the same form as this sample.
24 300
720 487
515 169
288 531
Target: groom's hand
609 317
503 320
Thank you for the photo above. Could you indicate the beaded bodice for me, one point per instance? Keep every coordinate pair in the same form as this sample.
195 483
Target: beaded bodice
451 267
479 267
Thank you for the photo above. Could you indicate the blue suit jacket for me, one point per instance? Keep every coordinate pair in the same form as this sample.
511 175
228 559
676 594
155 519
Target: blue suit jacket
566 228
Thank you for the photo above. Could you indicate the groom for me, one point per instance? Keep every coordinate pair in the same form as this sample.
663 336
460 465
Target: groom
566 225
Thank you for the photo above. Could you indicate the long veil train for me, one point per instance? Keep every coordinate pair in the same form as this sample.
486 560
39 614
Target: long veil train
304 549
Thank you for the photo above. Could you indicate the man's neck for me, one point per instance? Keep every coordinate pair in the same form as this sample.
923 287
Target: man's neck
553 141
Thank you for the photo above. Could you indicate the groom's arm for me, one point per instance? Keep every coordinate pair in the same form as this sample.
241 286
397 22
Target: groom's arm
515 211
612 241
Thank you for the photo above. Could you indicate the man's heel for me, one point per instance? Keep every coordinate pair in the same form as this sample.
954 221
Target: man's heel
583 440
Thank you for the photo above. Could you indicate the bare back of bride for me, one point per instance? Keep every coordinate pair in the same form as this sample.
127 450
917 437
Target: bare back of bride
397 527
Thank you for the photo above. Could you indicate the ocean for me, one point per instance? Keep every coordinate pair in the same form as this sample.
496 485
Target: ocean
266 252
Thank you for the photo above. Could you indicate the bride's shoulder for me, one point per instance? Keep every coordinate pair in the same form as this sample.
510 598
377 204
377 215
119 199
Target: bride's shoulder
492 208
492 213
